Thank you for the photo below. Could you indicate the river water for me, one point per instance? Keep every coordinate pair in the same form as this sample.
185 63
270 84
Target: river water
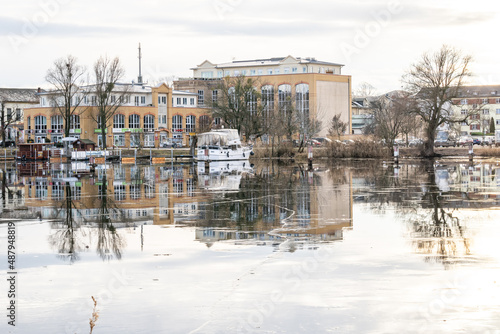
348 247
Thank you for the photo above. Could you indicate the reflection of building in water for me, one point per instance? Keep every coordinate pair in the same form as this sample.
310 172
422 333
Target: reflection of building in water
11 192
135 193
282 203
476 185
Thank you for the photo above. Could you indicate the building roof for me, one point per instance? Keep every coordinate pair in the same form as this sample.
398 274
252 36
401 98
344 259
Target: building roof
26 95
85 141
268 62
183 92
479 91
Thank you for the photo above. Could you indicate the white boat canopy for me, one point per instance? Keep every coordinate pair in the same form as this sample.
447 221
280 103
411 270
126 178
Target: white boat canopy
223 137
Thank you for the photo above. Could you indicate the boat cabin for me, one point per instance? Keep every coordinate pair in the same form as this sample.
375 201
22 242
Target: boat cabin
34 151
83 145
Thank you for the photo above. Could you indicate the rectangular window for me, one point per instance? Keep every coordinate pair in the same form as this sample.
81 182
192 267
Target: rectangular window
252 72
93 100
304 69
236 73
201 97
244 72
276 71
184 101
9 113
113 99
136 100
119 140
260 72
214 97
164 100
207 74
191 101
497 100
220 74
498 111
179 100
463 111
475 127
486 111
497 122
463 101
217 120
485 101
143 100
294 69
286 70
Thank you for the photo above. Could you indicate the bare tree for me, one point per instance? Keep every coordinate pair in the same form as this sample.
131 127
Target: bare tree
437 79
109 95
337 126
8 116
66 77
239 106
364 89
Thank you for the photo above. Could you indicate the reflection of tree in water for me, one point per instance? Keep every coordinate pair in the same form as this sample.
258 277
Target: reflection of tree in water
438 232
109 241
69 239
7 192
414 194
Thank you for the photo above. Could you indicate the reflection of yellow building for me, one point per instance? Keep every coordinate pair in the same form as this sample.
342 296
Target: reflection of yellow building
316 205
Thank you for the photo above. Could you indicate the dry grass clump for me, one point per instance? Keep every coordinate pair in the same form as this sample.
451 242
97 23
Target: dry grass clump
489 151
358 149
95 316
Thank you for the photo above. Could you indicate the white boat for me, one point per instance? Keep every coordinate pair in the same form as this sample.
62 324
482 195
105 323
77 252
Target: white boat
221 145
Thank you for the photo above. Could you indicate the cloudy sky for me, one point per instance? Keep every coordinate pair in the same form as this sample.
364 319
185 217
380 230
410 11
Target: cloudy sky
376 40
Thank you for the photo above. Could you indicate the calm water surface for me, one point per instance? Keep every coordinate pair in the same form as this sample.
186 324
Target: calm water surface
359 247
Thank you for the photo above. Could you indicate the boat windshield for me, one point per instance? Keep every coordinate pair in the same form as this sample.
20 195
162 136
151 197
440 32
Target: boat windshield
212 139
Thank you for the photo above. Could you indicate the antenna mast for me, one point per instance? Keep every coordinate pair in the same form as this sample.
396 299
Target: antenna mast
139 79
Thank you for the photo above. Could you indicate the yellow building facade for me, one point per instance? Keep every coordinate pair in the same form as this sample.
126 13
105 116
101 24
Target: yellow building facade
146 119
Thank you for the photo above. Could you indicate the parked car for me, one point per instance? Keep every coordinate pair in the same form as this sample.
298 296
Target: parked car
8 143
445 143
415 142
323 140
464 140
476 141
313 142
170 143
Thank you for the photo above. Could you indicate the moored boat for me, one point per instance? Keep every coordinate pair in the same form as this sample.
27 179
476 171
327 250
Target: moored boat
221 145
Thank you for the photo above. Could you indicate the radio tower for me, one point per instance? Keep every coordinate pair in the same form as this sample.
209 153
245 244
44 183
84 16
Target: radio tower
139 78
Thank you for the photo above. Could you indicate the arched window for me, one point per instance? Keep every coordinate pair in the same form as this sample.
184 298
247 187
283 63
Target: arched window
149 122
56 124
134 121
190 123
284 97
119 121
302 100
204 123
74 122
40 124
233 101
267 93
177 122
251 101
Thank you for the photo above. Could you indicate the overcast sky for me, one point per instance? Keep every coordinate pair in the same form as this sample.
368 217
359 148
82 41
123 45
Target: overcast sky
376 40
